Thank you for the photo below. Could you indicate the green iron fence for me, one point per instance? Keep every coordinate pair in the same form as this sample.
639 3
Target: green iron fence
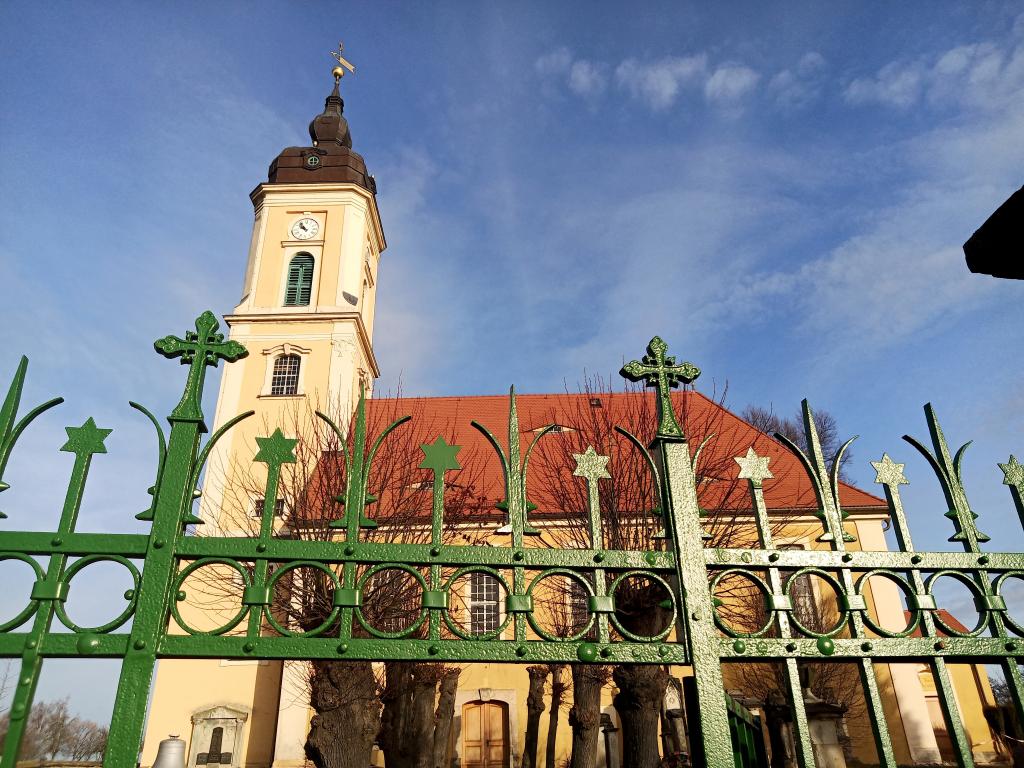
688 571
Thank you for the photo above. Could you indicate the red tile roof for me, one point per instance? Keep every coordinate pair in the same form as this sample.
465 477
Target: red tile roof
588 414
946 616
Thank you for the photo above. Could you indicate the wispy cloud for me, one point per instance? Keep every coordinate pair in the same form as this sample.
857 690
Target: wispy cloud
730 83
583 77
557 62
587 78
985 74
658 83
797 86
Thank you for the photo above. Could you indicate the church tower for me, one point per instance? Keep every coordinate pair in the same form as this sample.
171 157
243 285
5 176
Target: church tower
306 317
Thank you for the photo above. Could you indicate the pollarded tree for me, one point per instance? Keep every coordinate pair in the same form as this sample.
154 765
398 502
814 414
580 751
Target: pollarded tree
630 508
355 705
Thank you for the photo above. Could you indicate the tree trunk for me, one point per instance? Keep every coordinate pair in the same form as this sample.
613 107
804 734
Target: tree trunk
407 727
444 715
585 715
344 696
534 708
396 698
557 692
639 700
419 747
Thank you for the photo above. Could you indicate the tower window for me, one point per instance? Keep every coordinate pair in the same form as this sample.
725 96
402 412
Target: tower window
300 281
285 378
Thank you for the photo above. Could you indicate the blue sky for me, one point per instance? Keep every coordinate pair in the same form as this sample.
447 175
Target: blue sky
781 191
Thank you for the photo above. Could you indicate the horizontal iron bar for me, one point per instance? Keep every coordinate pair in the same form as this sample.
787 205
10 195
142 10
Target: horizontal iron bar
862 561
42 543
967 650
194 547
67 644
234 647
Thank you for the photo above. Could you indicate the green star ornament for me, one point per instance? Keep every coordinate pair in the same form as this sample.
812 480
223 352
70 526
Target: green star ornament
276 449
754 468
439 456
591 464
86 439
888 472
1013 473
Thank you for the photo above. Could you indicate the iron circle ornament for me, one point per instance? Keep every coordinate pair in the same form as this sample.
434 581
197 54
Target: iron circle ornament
33 603
652 576
760 584
833 582
380 633
997 588
903 584
574 577
60 610
976 593
192 568
454 625
272 583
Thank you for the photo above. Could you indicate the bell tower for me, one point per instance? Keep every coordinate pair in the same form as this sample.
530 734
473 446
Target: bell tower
307 307
306 317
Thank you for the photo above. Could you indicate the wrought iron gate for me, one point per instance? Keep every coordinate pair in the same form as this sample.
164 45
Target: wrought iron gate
688 571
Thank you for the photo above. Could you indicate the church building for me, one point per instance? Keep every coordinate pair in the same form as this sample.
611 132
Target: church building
306 315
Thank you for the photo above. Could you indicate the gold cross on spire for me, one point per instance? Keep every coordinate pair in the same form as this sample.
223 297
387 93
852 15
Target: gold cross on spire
339 72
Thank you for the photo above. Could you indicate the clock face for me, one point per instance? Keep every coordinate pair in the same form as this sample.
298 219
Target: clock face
305 229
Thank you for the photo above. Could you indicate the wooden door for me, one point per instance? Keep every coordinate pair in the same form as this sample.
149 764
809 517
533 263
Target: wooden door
485 734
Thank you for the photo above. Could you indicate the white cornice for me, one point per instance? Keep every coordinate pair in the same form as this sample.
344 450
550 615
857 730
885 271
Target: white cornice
261 318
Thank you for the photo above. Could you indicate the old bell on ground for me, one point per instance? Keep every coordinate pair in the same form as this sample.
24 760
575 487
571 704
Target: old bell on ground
171 753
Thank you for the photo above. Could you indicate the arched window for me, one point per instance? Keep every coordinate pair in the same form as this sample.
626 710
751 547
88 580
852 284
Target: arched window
285 378
300 281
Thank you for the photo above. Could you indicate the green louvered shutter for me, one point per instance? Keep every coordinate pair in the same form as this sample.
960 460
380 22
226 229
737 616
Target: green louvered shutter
300 281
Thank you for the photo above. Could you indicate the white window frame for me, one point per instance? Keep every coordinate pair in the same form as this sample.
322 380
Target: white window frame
272 353
468 597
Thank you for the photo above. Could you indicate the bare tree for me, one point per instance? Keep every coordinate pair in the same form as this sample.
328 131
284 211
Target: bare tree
769 422
54 732
631 520
355 707
555 698
534 709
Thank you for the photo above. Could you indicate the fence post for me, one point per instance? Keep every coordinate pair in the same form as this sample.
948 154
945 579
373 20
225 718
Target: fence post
682 523
172 503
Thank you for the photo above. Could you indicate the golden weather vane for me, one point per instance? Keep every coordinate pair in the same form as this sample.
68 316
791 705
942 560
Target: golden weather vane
339 72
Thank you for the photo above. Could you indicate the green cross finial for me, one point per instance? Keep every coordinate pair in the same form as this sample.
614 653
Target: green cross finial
592 466
439 457
661 371
198 349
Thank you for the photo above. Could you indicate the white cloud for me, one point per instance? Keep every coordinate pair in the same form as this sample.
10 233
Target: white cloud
985 75
584 78
658 83
556 62
811 63
897 84
587 78
730 83
797 87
